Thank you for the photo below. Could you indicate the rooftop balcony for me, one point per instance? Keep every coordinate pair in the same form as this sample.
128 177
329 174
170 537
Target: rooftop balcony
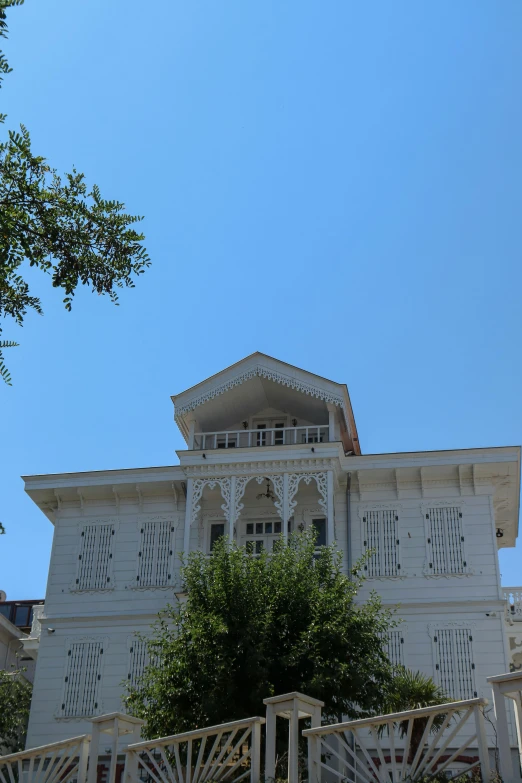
245 439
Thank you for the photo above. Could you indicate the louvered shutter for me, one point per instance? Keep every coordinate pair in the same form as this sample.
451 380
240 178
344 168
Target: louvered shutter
395 647
138 660
454 665
94 559
155 554
381 534
445 541
82 679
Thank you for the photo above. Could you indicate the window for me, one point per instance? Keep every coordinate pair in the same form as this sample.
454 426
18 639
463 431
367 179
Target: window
261 436
381 534
217 531
279 434
94 560
454 666
82 679
445 541
138 660
155 554
320 527
262 535
395 647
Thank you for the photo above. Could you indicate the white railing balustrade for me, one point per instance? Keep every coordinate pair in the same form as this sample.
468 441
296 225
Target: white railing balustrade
60 762
412 746
277 436
513 596
227 752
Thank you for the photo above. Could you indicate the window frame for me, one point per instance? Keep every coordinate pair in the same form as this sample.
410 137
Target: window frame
98 522
173 522
434 630
97 691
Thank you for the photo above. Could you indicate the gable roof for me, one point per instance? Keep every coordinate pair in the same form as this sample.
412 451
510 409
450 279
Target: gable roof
263 366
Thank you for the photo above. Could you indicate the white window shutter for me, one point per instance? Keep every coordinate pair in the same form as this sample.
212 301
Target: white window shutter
138 660
95 558
395 647
454 664
445 541
155 555
82 679
381 534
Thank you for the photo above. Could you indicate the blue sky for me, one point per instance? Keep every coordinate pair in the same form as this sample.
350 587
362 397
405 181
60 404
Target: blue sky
335 184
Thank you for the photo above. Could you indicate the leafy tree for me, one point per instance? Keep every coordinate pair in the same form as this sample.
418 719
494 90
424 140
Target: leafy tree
60 226
15 701
252 627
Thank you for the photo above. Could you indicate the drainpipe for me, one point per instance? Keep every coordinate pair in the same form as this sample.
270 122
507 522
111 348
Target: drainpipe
349 525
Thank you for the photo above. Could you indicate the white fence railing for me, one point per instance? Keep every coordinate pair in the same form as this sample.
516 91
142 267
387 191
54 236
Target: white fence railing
408 746
276 436
513 596
60 762
227 752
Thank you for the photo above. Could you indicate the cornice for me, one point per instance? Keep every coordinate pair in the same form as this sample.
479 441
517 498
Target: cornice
258 468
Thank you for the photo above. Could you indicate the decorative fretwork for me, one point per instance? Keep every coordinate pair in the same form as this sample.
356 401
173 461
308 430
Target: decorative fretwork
271 375
416 745
227 752
197 491
321 479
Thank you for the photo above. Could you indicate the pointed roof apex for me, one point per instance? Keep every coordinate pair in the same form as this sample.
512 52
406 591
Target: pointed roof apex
261 365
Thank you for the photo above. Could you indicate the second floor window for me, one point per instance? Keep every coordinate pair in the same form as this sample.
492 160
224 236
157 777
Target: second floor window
155 556
381 536
95 558
445 541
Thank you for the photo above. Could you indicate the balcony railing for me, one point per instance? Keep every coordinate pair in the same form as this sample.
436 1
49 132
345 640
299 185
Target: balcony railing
513 596
277 436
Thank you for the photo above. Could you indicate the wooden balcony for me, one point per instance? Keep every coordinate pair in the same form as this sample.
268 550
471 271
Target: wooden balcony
245 439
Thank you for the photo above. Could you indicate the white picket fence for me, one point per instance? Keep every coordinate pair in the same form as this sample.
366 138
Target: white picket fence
406 746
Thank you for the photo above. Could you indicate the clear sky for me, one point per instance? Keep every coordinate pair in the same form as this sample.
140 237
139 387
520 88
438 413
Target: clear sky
337 184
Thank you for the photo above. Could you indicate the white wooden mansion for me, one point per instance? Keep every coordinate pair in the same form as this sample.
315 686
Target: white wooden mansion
270 449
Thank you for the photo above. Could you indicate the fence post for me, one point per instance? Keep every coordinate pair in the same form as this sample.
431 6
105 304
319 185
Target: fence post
482 742
130 771
255 753
292 707
82 761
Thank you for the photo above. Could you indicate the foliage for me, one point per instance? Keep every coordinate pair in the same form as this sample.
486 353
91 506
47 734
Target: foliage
15 701
253 627
59 226
409 690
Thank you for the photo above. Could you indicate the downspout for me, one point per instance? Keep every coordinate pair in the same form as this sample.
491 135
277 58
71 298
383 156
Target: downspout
349 524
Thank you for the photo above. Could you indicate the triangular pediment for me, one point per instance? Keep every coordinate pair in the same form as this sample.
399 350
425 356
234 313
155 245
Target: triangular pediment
257 383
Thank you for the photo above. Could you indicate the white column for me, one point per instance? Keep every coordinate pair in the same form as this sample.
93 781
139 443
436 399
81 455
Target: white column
331 422
293 744
285 507
232 510
504 749
482 741
188 517
192 429
330 505
270 742
517 701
